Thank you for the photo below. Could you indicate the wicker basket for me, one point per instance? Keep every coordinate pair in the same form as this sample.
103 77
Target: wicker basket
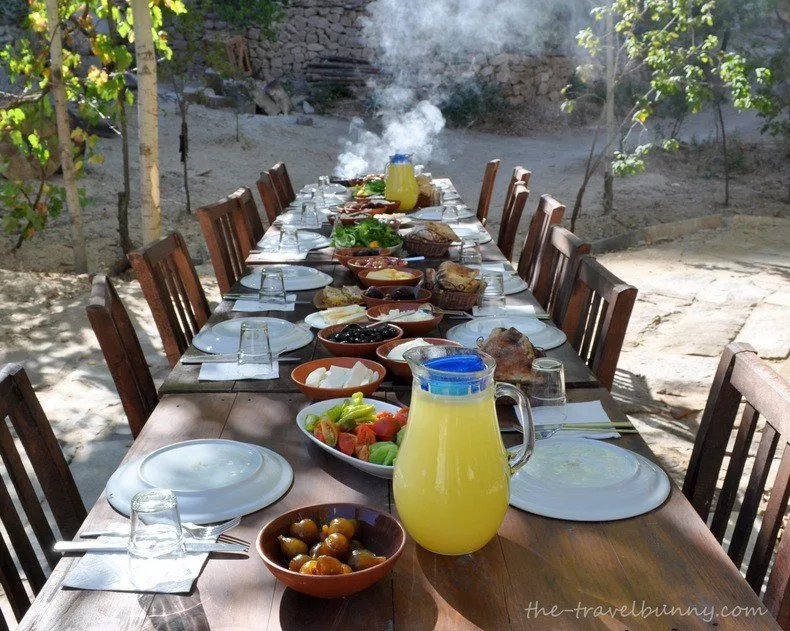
454 299
418 247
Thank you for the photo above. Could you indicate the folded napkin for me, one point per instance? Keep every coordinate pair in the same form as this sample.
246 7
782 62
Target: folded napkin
276 257
586 412
231 371
109 571
255 305
506 310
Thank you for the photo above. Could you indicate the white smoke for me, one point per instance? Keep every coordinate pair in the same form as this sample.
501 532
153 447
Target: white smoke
426 47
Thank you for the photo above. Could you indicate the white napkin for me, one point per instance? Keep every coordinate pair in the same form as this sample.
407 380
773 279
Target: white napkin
222 371
109 571
586 412
254 305
276 257
506 310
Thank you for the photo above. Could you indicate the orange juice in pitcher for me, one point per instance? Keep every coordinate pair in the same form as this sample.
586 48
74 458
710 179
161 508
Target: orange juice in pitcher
401 184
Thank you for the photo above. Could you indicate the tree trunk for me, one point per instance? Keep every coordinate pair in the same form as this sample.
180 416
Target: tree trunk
724 153
183 106
611 131
147 122
125 194
64 138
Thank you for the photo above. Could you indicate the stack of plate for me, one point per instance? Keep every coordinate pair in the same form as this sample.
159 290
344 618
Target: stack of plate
223 337
434 213
540 334
297 278
471 232
212 479
307 241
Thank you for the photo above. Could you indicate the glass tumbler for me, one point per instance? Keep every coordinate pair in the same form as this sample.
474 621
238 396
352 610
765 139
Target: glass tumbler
470 254
548 388
254 345
272 286
289 239
156 541
450 214
494 294
310 217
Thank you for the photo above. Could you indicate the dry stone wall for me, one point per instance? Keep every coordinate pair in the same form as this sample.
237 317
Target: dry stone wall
316 28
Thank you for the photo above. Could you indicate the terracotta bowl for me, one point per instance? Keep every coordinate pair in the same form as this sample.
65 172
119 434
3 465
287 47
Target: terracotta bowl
344 349
400 368
410 329
416 277
359 263
380 533
421 295
299 375
343 254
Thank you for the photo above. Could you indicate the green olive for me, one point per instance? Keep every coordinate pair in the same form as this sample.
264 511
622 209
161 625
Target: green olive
297 562
355 544
363 559
346 568
292 546
309 567
346 527
328 566
306 530
337 545
318 549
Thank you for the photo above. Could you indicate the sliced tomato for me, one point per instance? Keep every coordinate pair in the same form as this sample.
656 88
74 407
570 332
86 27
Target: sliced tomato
365 434
346 443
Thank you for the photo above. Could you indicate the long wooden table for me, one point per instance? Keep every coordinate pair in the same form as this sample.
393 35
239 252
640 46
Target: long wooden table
661 570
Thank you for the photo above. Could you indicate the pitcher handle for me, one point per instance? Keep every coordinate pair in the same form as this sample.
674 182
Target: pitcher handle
518 460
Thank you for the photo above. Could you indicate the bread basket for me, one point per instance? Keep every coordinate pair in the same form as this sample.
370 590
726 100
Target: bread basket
460 300
418 247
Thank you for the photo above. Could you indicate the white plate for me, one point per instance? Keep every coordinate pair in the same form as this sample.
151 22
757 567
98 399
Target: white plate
317 321
297 278
196 466
223 337
307 241
587 480
379 470
294 218
329 189
541 335
434 213
514 284
471 232
268 485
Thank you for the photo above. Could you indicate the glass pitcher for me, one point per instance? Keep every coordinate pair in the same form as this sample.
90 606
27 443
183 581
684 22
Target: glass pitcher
452 474
400 183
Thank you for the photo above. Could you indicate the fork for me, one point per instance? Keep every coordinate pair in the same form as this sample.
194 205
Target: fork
226 538
193 530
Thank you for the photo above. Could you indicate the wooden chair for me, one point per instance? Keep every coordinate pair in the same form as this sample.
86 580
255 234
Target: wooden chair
21 412
122 352
742 377
226 230
508 231
173 291
282 184
249 208
596 316
520 174
549 213
487 190
555 265
271 203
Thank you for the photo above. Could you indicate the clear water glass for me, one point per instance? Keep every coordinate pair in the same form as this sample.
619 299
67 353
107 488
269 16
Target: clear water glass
548 387
156 541
310 217
470 254
450 214
289 239
437 196
272 286
494 293
254 346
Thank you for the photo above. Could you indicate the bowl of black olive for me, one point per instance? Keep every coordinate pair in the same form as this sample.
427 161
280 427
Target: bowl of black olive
374 296
353 340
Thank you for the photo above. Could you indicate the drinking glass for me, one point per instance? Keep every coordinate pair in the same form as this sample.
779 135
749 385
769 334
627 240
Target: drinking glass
272 286
156 541
548 387
322 191
494 293
450 214
254 346
470 254
437 196
310 217
289 239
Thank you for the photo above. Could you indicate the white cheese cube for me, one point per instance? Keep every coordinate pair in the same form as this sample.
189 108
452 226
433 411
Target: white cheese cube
314 378
335 377
357 374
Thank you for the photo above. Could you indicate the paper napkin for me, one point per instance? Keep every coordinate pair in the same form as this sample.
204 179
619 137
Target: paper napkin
255 305
222 371
586 412
109 571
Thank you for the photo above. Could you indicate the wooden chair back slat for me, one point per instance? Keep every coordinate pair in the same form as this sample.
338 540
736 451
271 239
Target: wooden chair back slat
122 352
596 315
554 269
173 291
252 217
271 203
548 213
508 232
743 378
520 175
20 407
282 184
226 228
487 190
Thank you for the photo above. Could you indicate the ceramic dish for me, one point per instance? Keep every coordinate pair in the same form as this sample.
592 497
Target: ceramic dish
471 232
360 263
300 373
540 334
296 277
344 254
307 241
379 470
400 368
223 337
345 349
317 321
419 294
415 328
416 277
434 213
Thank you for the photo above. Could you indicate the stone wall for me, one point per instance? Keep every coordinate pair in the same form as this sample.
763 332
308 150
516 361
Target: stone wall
314 28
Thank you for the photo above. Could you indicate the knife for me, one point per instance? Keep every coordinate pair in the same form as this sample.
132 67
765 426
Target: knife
230 359
122 545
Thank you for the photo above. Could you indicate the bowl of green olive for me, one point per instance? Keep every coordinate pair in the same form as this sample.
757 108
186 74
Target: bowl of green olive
331 550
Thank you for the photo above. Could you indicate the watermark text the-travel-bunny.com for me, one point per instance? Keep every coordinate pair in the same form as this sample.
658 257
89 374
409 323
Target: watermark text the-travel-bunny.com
635 609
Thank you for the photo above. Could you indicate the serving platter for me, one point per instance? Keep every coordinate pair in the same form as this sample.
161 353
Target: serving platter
296 277
307 241
540 334
587 480
206 503
223 337
380 471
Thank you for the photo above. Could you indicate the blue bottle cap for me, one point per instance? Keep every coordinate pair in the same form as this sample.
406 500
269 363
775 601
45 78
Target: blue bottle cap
456 375
400 158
